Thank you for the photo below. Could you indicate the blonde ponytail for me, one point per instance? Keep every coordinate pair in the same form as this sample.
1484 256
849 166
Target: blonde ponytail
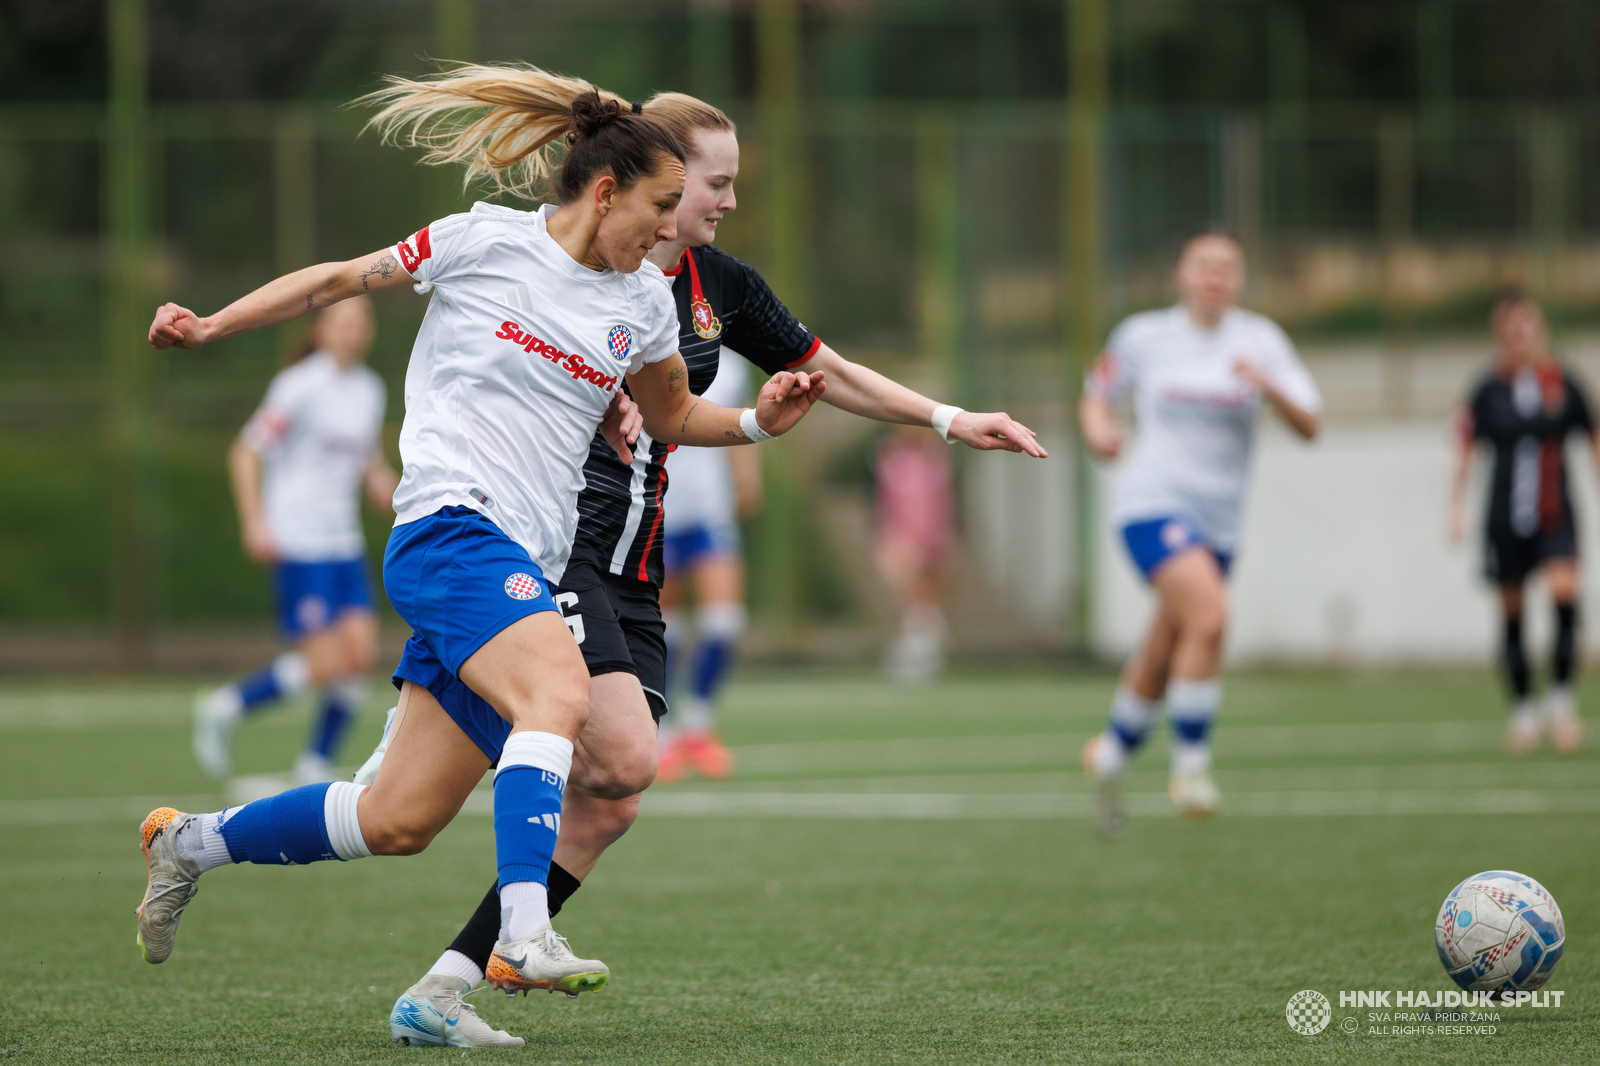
499 120
684 115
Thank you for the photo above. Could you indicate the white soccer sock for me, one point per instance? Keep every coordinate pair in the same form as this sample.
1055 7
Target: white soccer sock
454 964
226 702
1192 707
524 909
292 673
693 715
1132 717
340 817
200 840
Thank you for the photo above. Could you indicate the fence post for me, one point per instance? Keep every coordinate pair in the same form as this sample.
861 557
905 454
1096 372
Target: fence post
126 193
778 48
1085 207
938 244
1397 176
294 196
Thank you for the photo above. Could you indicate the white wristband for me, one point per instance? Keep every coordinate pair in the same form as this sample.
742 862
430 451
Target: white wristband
943 415
751 428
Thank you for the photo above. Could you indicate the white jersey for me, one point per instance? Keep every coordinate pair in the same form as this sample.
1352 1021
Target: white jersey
316 431
519 354
1196 417
699 480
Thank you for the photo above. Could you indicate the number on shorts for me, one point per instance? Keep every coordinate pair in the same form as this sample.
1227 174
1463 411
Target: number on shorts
574 621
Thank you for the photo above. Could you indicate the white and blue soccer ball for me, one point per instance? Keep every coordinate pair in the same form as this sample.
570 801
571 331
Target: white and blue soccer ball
1500 931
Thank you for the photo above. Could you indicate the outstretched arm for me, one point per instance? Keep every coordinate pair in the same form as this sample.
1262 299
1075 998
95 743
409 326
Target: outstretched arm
674 415
865 392
1458 488
380 481
287 298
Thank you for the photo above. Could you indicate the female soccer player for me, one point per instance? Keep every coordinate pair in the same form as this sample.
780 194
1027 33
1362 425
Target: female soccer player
611 586
297 471
1198 372
536 319
709 491
1524 410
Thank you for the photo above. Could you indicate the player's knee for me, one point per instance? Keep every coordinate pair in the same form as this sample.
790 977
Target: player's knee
623 777
1209 620
398 835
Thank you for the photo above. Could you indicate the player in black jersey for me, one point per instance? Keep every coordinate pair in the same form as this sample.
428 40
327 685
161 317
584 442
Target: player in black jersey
611 589
1524 410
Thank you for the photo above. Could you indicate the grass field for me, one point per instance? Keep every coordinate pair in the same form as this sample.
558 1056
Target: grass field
896 876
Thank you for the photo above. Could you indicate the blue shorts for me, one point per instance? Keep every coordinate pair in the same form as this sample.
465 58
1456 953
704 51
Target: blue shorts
458 580
687 547
311 596
1154 541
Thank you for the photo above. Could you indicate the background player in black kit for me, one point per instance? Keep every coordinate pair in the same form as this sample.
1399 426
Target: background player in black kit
610 592
1524 410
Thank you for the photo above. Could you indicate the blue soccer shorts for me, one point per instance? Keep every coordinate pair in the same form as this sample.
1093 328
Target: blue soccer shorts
686 547
1151 542
311 596
458 580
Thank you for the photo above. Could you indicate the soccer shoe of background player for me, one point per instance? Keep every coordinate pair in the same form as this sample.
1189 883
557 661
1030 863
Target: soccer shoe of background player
672 764
1108 815
213 736
706 753
1194 795
1525 729
171 885
1561 718
312 769
369 769
434 1013
543 960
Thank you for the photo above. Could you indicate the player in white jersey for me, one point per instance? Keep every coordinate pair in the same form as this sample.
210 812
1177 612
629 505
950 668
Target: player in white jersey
1197 373
710 490
298 469
535 321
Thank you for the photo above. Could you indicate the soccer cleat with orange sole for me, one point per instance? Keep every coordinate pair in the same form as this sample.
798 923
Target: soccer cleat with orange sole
171 884
542 960
708 756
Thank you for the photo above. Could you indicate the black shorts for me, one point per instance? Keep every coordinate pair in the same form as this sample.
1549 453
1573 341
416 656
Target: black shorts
1508 559
617 621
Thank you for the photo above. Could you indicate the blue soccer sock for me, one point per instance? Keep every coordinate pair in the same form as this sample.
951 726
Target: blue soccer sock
1132 717
286 676
340 705
1192 706
676 627
720 625
300 826
527 818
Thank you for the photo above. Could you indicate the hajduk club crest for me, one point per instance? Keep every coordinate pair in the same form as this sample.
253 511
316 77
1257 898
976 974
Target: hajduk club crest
619 340
705 323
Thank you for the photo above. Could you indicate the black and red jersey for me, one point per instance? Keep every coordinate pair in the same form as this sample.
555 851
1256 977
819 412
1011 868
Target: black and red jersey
721 302
1526 416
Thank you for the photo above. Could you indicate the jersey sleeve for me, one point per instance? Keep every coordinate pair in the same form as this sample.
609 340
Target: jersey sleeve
662 341
1281 365
429 254
270 424
1472 423
1114 372
760 327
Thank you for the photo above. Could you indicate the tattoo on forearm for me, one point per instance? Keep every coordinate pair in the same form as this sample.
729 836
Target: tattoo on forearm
384 267
734 434
308 301
686 415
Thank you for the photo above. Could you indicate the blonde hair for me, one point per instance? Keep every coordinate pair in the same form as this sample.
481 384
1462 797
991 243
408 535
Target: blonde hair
503 121
683 115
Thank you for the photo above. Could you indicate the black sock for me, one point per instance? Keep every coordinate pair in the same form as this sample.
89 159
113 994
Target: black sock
1566 642
1516 660
477 937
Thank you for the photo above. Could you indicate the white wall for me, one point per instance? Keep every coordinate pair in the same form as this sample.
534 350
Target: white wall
1344 556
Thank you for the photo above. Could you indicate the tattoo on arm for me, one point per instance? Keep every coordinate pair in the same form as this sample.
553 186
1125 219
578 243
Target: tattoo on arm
675 375
734 434
384 267
308 301
686 415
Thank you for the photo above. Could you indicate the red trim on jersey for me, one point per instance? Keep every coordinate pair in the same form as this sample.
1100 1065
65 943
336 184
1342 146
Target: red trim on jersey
1550 460
675 271
816 342
410 259
655 527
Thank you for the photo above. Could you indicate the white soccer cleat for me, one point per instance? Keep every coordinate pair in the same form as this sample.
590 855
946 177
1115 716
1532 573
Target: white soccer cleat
369 769
1108 815
543 960
1525 730
1194 795
434 1012
171 885
213 735
1561 717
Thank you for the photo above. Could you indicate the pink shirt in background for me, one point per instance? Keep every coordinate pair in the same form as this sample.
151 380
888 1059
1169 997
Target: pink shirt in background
916 495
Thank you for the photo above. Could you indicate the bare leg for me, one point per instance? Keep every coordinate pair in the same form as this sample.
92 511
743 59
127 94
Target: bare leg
426 776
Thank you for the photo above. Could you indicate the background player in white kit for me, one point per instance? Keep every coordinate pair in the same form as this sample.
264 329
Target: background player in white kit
708 491
1197 372
298 469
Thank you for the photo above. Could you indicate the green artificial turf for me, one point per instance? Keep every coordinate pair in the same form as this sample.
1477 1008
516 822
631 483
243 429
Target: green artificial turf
818 930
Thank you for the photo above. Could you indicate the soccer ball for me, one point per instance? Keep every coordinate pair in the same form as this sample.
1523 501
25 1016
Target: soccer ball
1499 931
